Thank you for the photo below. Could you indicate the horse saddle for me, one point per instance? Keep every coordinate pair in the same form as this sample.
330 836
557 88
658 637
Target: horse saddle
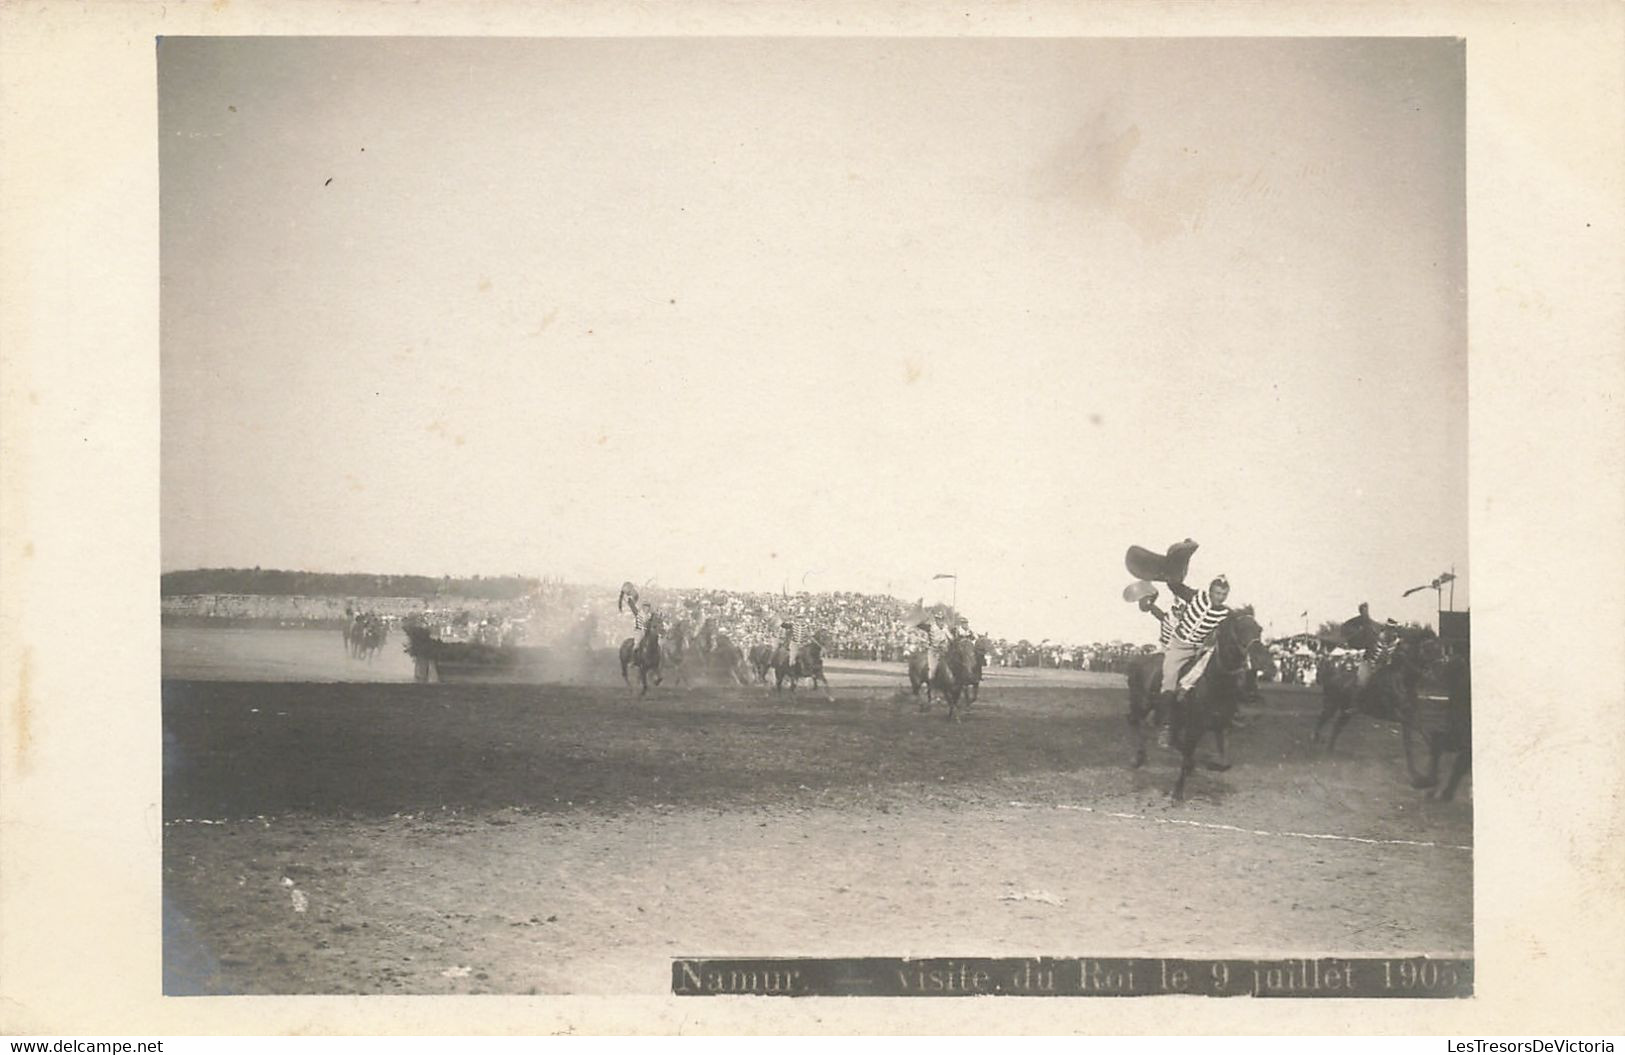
1160 567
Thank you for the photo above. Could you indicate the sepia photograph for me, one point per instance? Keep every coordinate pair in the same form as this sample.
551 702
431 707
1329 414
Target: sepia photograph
524 519
628 503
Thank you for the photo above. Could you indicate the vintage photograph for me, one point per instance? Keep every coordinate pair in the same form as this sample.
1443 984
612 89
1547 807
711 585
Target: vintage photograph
628 503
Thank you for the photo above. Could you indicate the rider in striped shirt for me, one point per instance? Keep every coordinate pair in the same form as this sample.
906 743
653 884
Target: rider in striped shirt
1204 611
937 636
647 624
795 632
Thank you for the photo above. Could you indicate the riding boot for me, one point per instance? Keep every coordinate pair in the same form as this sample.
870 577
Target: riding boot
1170 711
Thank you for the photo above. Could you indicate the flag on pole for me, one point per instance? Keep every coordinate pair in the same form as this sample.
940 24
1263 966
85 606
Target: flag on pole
1304 614
1434 585
944 575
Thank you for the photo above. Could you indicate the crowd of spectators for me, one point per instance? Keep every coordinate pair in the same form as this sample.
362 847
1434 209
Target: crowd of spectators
851 625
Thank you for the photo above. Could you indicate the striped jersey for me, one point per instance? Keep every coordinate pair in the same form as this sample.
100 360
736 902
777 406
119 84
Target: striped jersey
1202 616
1169 622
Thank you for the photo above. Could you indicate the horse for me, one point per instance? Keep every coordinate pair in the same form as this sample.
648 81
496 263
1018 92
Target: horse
1208 706
976 669
645 654
377 634
1144 687
423 648
1442 729
953 677
1386 694
809 663
675 651
761 661
724 659
917 674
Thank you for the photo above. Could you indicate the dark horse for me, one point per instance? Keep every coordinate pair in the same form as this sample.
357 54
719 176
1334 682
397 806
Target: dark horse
917 669
677 649
1386 694
1444 723
1209 706
980 661
761 661
955 678
809 663
643 653
720 658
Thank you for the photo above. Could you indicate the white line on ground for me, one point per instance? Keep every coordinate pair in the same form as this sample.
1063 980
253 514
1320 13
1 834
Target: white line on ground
1245 831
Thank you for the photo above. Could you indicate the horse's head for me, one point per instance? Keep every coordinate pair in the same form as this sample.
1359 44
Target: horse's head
1240 643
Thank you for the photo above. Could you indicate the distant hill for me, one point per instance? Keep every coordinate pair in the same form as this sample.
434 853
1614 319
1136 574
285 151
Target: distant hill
272 582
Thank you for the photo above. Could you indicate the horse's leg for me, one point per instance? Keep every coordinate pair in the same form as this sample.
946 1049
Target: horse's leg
1187 763
1464 762
1342 719
1437 747
1223 763
1408 730
1137 723
1327 710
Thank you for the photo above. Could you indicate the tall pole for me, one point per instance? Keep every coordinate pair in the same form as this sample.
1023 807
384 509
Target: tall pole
956 593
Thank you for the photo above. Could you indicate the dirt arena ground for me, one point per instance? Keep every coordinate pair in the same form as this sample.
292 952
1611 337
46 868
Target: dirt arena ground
387 837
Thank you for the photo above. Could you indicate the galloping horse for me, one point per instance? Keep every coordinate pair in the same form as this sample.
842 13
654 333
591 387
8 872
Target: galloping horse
1209 706
643 653
954 678
809 663
1387 692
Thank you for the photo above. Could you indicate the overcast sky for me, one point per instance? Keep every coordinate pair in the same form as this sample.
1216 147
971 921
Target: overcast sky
822 314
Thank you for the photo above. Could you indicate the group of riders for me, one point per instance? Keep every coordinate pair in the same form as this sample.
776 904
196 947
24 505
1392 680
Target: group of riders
793 641
1200 630
1186 635
364 633
1211 655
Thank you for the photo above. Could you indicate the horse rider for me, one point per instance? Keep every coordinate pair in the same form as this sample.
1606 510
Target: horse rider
794 632
1376 639
647 625
962 630
1191 636
628 600
937 636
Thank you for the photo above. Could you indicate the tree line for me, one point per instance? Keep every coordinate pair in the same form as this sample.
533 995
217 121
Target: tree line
278 583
